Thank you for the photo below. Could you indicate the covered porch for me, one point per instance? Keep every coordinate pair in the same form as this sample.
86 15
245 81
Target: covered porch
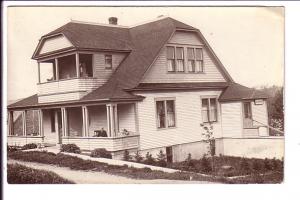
112 126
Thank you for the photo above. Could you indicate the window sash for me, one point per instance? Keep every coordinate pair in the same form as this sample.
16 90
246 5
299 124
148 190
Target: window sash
108 61
165 111
209 110
199 54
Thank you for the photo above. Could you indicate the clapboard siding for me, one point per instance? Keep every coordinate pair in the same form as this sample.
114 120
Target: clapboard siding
158 72
260 114
232 119
188 119
110 144
180 37
250 132
55 43
61 97
126 117
99 65
20 141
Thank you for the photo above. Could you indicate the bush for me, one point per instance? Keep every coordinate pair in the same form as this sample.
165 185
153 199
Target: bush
161 159
137 157
149 159
101 153
70 148
267 164
205 165
126 156
12 148
245 165
256 166
29 146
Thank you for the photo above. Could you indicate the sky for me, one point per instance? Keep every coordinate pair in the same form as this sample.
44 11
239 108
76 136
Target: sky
249 41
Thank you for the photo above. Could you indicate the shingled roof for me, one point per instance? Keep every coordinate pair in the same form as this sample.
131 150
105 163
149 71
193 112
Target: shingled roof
143 42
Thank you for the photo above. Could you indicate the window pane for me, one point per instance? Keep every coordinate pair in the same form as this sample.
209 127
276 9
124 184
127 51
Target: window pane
205 117
170 53
199 66
179 53
247 110
160 110
171 113
199 55
213 110
190 54
191 65
108 61
180 65
171 65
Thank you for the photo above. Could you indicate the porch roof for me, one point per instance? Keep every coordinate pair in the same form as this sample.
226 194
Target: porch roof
236 92
32 101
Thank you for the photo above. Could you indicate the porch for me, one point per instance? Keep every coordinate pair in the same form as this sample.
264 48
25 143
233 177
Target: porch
110 126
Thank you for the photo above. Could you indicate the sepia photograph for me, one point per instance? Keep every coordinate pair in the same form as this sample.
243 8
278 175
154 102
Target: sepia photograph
145 95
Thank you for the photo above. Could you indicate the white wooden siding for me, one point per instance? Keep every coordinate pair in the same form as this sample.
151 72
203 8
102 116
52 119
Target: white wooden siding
260 114
188 119
126 117
61 97
20 141
185 38
55 43
232 121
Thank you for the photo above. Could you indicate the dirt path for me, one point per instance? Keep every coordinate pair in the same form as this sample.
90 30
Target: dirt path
90 177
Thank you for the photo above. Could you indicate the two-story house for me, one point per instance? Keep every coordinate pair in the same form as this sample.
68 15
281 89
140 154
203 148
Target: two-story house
147 87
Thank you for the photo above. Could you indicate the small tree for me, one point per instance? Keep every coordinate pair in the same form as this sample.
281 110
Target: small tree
209 138
245 165
126 156
149 159
137 156
161 159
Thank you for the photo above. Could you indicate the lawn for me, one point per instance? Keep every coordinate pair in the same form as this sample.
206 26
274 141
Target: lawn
76 163
19 174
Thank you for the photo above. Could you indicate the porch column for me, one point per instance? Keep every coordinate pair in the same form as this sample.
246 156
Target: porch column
116 122
77 65
24 123
10 123
56 69
108 114
85 124
41 128
65 121
136 118
39 73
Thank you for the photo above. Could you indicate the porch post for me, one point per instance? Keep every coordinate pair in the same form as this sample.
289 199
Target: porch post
10 123
56 69
41 128
39 73
87 121
65 121
63 124
108 120
136 118
77 65
24 122
84 121
116 122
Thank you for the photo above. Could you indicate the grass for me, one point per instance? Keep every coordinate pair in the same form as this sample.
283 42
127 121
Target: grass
76 163
19 174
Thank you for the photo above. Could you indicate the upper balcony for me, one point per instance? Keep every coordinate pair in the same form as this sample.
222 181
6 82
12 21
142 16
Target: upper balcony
67 77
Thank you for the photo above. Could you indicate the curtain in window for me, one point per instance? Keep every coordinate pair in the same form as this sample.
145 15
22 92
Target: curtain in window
199 60
171 59
205 110
191 59
180 58
160 110
171 113
213 110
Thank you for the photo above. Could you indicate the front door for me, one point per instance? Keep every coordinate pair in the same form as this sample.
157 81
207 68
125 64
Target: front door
169 154
247 115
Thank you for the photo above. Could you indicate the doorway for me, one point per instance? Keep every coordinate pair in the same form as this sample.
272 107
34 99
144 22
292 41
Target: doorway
247 115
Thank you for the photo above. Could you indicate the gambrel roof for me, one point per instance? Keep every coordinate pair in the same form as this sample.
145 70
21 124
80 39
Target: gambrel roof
143 44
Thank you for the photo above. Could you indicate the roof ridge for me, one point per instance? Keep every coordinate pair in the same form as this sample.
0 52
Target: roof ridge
98 24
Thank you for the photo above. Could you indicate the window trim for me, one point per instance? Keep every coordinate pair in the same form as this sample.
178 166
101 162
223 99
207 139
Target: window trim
195 60
175 59
217 106
105 61
165 99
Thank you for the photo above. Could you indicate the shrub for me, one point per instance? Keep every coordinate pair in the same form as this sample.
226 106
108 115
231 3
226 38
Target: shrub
149 159
70 148
29 146
101 153
205 165
12 148
256 165
137 157
161 159
267 164
126 156
245 165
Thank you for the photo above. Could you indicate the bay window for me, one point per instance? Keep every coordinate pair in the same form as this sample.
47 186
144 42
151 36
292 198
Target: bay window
209 109
165 110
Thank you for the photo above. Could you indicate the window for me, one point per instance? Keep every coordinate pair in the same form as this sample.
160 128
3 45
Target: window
247 110
209 109
108 61
195 59
180 59
165 113
171 59
52 119
86 65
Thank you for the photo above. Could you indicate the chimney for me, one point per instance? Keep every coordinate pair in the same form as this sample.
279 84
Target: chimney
113 20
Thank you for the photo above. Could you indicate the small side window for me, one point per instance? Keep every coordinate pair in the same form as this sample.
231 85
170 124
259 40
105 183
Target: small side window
108 61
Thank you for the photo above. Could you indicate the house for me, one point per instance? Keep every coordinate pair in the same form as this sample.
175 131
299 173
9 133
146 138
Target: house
143 88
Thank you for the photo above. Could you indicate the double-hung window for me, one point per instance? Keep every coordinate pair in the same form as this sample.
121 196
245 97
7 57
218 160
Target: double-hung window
175 59
165 111
195 59
209 109
171 59
108 61
180 59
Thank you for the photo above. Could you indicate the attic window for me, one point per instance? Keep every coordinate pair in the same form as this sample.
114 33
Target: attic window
171 59
195 59
108 61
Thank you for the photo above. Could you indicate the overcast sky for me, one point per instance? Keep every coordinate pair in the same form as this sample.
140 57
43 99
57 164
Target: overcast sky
248 41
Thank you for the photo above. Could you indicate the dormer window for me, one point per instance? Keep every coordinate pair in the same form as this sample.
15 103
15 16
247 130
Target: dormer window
175 57
180 59
108 61
195 59
171 59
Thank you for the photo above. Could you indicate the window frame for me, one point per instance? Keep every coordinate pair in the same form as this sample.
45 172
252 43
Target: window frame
209 109
52 121
111 58
175 58
165 99
195 59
